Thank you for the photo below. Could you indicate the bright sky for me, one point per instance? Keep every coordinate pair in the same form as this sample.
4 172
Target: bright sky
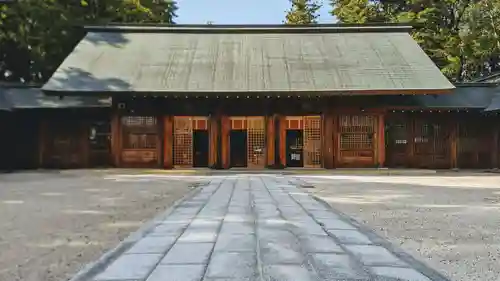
238 11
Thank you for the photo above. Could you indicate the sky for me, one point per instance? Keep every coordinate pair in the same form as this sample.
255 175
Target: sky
238 11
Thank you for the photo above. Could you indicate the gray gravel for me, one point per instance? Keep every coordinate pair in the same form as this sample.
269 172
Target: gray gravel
452 223
52 224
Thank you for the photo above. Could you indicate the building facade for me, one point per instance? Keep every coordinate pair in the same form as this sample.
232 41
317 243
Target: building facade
321 96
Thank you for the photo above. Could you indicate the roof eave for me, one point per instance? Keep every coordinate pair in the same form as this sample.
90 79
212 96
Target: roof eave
340 92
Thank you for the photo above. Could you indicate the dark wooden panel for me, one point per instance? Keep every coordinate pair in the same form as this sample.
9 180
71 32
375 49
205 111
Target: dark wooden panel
398 141
475 144
431 144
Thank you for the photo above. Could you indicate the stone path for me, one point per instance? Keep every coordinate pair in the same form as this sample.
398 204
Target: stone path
256 228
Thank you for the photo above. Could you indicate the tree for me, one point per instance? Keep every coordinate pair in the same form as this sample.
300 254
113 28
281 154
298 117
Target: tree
452 32
36 35
302 12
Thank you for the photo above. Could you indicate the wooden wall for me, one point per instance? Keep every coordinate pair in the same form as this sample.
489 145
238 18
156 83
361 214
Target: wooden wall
74 138
442 140
350 137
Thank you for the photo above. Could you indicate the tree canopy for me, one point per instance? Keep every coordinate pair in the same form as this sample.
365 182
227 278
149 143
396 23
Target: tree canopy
36 35
302 12
461 36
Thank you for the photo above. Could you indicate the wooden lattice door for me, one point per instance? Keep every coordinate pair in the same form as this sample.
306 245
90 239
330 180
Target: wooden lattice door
256 142
183 141
312 141
356 140
140 141
431 144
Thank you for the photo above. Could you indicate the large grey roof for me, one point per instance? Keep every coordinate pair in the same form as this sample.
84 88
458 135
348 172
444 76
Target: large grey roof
184 59
30 97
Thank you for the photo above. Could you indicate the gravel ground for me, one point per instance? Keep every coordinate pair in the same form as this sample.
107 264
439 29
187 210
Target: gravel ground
52 224
452 223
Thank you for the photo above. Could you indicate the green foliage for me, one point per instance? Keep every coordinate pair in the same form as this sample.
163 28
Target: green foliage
302 12
36 35
461 36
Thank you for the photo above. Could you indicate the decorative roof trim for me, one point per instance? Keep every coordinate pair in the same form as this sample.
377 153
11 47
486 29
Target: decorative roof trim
259 28
475 84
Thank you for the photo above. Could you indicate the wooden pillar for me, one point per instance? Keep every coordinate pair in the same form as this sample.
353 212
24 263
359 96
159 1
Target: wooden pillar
42 142
381 140
225 141
270 140
213 137
453 144
327 140
116 139
494 155
282 139
168 142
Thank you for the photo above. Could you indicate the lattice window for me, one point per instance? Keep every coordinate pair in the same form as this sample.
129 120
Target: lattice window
256 141
183 141
312 141
356 132
139 132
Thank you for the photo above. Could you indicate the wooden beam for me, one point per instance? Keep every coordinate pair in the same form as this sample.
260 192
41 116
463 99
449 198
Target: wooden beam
225 141
213 132
270 140
168 144
116 139
381 140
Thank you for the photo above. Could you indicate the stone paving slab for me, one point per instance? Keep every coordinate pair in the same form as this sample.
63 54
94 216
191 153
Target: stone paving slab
257 228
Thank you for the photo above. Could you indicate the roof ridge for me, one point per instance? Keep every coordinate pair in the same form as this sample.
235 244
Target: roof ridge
491 75
476 84
250 28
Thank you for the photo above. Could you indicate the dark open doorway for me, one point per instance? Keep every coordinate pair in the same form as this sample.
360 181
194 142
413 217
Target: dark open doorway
238 152
294 148
200 148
